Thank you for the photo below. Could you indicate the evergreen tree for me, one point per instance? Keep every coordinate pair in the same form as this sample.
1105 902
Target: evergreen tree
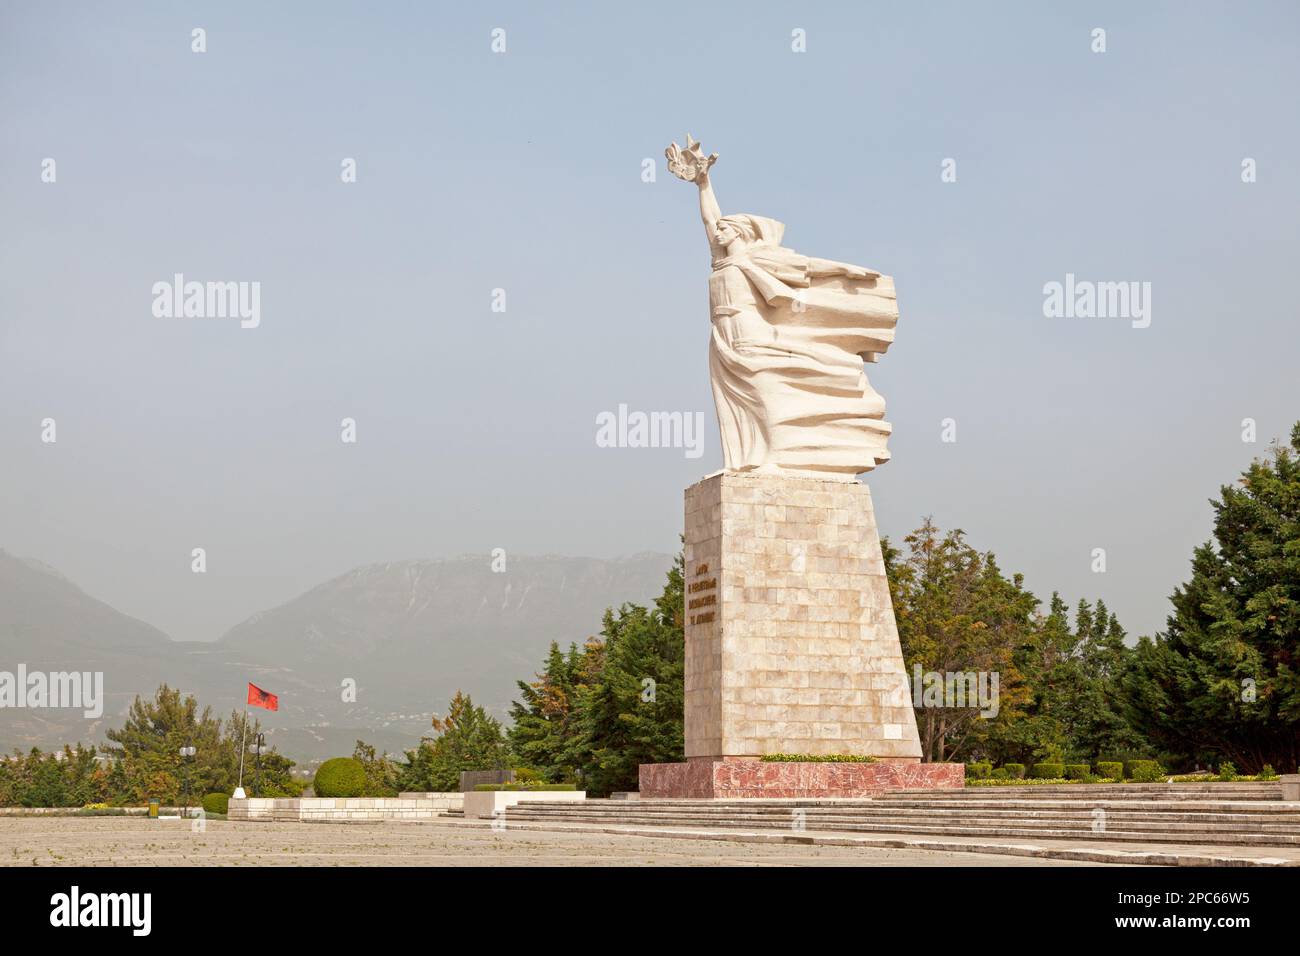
381 773
147 760
633 713
1222 682
468 738
1104 728
544 717
595 714
1053 680
149 743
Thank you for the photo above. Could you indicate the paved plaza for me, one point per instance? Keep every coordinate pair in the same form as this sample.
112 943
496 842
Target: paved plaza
136 841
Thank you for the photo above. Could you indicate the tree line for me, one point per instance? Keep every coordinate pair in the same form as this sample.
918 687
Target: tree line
142 761
1220 684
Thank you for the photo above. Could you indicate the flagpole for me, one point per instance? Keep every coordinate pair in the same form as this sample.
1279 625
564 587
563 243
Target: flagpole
243 742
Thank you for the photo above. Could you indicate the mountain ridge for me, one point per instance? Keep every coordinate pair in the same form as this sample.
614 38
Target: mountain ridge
407 633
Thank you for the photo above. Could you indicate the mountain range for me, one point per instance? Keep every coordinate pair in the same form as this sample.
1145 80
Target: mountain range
372 654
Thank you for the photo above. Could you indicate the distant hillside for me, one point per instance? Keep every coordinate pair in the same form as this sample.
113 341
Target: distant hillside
49 624
409 633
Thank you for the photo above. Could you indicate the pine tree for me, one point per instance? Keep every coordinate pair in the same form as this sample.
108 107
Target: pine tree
633 712
1222 682
1104 727
468 738
543 718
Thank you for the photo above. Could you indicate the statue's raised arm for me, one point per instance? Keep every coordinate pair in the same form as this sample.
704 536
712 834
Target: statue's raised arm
692 166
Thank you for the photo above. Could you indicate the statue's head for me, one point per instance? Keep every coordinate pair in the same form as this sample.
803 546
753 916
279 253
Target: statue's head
733 228
739 231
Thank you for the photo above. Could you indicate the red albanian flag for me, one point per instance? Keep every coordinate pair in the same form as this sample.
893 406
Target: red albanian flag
261 698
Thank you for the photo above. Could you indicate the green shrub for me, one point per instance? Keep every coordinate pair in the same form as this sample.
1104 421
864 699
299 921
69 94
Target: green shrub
1015 771
999 774
1048 771
534 787
1111 769
216 803
1131 764
340 777
1144 771
818 758
1267 772
979 770
1077 771
527 775
1227 770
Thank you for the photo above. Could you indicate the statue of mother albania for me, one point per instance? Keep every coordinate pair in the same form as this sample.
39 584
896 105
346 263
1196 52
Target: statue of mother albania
790 335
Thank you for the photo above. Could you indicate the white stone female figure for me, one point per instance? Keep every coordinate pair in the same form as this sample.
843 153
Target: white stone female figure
790 334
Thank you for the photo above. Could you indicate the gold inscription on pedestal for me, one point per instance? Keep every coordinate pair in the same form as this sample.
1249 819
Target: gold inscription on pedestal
703 583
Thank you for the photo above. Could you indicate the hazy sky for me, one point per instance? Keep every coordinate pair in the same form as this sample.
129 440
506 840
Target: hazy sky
522 171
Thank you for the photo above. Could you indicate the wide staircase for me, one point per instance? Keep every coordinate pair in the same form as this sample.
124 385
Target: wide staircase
1245 814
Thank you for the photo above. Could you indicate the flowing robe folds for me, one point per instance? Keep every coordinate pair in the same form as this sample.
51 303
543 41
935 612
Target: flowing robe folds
790 334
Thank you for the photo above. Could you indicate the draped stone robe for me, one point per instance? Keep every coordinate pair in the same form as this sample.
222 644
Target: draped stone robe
790 334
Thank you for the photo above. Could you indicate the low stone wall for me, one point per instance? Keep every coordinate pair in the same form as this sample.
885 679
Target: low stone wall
71 811
333 809
710 779
487 804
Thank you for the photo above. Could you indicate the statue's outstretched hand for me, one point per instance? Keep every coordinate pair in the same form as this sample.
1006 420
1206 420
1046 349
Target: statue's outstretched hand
689 164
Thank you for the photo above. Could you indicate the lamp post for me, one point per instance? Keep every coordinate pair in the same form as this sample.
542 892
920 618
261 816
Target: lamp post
187 754
258 747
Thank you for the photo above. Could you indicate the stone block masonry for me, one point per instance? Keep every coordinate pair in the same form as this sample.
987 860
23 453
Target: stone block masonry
791 644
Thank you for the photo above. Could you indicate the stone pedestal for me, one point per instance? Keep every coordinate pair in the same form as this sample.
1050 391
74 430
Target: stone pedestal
791 644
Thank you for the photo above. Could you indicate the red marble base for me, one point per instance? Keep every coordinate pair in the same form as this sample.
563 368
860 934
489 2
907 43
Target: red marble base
712 779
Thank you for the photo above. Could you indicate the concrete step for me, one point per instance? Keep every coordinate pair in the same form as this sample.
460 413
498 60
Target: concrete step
1127 821
1273 823
1194 835
1077 850
1064 813
1257 807
1131 791
1277 812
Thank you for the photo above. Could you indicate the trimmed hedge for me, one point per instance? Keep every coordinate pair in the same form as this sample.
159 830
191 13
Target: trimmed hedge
216 803
340 777
1049 771
1015 770
526 786
979 770
1077 771
817 758
1111 769
1144 771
